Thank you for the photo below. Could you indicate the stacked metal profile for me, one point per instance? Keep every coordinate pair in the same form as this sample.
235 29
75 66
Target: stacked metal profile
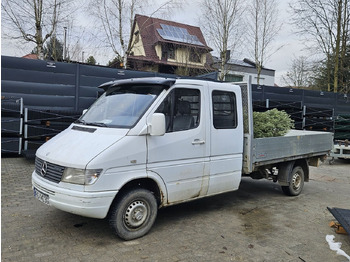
42 125
11 125
342 127
320 119
305 117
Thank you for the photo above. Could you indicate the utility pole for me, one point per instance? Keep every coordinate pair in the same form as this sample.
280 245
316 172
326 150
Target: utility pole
65 44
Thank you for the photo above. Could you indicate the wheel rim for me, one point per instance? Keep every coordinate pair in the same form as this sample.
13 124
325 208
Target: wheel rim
136 214
296 181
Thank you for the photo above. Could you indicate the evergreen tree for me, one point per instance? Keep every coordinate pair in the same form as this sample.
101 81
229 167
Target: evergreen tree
54 49
91 60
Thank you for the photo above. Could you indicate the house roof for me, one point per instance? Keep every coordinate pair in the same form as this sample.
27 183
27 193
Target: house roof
245 62
31 56
152 31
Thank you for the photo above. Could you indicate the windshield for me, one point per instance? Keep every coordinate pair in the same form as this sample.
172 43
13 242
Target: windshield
121 106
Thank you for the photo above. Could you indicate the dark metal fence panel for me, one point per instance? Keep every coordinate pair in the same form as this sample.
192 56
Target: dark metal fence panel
319 99
342 104
283 94
41 84
90 77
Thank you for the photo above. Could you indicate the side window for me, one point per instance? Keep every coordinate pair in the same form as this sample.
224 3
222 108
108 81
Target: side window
181 109
224 110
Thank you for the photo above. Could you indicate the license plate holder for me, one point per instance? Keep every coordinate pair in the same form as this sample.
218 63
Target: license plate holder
41 196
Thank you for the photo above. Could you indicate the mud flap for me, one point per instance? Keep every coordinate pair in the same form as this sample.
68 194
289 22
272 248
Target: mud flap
284 171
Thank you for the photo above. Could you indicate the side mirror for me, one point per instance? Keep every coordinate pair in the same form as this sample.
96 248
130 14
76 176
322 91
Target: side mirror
157 126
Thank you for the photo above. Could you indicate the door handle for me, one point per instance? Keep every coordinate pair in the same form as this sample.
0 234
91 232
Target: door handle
198 142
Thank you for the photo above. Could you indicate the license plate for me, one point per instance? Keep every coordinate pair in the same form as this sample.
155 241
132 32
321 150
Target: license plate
41 196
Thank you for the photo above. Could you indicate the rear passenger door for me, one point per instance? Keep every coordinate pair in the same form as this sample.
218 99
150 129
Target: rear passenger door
226 136
181 155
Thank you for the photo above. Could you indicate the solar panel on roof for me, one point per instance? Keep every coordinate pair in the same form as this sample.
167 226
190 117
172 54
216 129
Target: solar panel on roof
178 34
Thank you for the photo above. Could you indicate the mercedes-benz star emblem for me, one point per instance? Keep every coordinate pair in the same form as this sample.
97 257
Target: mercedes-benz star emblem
43 169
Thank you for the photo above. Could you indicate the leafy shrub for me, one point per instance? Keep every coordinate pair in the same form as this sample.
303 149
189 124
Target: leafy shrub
271 123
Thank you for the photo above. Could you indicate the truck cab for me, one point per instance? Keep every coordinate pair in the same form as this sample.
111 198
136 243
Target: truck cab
144 144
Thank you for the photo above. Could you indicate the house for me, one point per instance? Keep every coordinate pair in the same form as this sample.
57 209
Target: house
167 47
239 70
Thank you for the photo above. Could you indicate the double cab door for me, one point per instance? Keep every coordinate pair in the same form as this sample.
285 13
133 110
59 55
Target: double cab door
194 157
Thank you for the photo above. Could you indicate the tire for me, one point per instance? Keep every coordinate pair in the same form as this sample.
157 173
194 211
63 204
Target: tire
133 215
296 183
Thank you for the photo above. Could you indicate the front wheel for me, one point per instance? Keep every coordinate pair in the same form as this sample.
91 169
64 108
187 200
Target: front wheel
296 183
133 215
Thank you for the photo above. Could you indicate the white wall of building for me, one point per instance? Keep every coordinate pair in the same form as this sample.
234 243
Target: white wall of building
266 80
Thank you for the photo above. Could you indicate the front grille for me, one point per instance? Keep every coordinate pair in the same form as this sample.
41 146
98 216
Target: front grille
53 172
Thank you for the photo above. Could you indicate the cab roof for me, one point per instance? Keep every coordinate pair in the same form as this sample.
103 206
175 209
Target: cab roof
166 82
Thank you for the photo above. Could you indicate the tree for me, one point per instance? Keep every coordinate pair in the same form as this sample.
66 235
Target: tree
115 62
91 60
32 21
322 72
325 26
53 49
222 23
300 73
114 19
262 29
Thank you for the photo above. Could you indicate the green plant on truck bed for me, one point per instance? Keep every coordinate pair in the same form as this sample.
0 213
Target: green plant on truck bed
271 123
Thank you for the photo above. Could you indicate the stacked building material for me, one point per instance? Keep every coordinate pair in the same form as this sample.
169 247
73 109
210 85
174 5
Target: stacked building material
11 125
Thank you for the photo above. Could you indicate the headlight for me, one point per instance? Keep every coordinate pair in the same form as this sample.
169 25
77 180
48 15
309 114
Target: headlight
80 176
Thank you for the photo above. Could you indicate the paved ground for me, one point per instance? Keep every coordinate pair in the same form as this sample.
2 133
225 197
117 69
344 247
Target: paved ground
255 223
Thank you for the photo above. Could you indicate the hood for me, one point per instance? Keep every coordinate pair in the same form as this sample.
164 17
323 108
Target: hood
78 145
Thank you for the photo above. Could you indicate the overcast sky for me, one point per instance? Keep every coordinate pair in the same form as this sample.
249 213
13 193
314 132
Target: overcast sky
189 14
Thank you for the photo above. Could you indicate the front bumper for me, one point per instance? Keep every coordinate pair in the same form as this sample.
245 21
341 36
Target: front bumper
88 204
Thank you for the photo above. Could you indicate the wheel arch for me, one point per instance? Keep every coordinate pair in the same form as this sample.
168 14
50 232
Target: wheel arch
145 183
285 169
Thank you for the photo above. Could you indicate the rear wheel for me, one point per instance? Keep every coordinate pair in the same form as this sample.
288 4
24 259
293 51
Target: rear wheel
296 183
133 215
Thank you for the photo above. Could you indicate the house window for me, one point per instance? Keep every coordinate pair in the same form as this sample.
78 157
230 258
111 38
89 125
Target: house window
233 78
168 52
171 52
195 57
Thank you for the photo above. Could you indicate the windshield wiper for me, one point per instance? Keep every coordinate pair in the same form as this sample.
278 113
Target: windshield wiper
80 122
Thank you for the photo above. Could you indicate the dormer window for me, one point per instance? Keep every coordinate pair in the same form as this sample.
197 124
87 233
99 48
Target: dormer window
171 52
195 57
168 52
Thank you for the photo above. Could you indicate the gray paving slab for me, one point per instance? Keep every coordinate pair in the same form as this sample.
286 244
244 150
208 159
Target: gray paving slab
255 223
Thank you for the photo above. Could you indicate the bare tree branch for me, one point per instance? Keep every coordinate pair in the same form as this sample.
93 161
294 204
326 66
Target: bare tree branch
262 29
325 26
33 21
222 24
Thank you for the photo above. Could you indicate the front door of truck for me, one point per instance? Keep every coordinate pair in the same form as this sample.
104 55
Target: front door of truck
180 157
